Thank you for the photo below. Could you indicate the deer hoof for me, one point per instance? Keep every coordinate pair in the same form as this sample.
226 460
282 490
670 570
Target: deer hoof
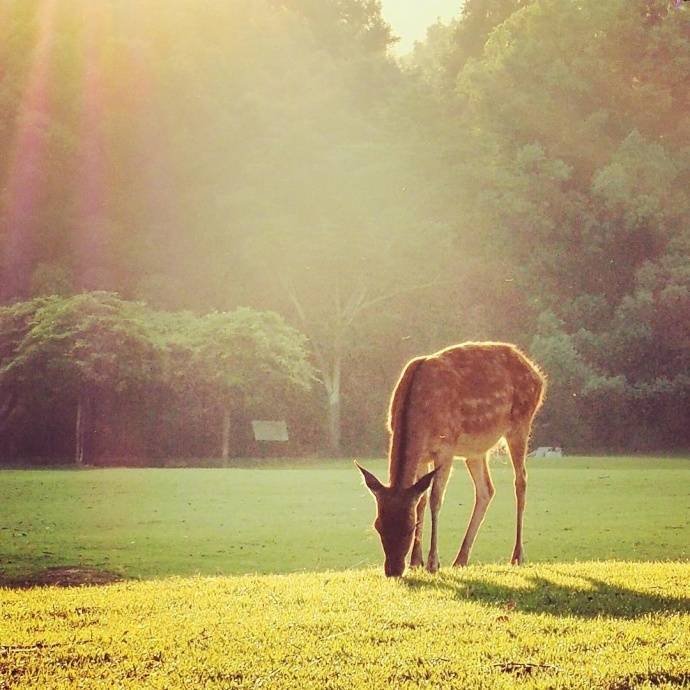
433 565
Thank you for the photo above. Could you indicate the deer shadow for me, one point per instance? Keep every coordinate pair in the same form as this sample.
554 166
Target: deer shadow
594 598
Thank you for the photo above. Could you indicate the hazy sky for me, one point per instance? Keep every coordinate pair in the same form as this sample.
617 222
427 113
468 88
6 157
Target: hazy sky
410 18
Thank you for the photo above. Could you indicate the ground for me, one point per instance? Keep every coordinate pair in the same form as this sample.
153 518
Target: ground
283 517
597 625
595 608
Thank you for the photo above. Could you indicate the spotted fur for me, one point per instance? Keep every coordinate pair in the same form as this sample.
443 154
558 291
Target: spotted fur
461 401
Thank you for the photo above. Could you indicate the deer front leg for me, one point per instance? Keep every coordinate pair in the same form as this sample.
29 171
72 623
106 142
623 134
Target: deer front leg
438 490
483 493
417 559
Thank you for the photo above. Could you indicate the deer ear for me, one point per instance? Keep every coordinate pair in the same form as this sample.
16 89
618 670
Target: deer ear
423 484
370 480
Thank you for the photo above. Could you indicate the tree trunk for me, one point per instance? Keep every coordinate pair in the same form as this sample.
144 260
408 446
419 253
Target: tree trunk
225 447
79 431
334 424
334 421
7 408
344 314
83 431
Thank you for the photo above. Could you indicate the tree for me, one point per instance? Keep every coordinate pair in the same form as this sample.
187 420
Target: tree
16 322
242 360
82 349
332 271
527 162
104 355
573 180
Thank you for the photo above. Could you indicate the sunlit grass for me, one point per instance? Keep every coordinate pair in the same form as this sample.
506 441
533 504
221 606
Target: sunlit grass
599 625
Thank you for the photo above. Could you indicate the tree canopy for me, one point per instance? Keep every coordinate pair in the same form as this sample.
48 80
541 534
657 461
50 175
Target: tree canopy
520 176
95 355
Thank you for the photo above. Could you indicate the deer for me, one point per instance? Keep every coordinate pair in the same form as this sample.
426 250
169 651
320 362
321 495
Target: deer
462 401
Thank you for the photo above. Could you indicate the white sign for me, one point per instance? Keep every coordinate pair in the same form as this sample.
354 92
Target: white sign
270 431
548 452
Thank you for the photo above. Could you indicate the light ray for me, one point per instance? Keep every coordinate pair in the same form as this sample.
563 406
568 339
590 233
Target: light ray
26 172
154 170
92 263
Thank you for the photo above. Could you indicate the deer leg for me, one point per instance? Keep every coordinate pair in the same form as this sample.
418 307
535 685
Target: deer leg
483 493
517 443
417 559
438 489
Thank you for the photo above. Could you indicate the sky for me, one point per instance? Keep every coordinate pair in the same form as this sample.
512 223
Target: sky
410 18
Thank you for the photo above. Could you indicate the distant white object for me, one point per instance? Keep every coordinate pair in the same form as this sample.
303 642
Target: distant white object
270 431
547 452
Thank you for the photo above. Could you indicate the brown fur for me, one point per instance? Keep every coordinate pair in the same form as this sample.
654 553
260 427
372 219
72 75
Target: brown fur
397 416
460 401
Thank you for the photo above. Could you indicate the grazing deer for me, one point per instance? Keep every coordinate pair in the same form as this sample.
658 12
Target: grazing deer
460 401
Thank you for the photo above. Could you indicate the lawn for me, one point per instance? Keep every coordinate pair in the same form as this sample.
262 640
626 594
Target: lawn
586 612
281 518
615 626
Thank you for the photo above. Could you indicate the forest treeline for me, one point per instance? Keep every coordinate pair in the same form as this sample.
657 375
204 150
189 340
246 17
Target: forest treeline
98 378
521 176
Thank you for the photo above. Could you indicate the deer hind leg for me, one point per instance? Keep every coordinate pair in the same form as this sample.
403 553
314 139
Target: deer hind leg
444 464
517 443
483 493
417 558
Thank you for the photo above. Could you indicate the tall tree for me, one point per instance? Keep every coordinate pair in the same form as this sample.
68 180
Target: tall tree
241 361
80 350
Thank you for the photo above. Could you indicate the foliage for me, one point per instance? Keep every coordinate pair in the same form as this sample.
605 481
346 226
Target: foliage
581 189
89 340
98 350
527 161
242 354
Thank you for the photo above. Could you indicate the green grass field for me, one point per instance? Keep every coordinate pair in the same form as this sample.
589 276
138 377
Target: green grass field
616 626
145 523
587 612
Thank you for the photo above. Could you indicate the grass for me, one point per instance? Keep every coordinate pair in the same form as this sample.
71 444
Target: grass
587 612
145 523
614 626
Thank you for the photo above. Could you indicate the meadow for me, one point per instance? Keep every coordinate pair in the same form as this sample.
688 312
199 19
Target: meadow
287 516
211 596
611 625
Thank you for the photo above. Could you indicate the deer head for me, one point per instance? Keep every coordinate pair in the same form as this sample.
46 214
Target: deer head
396 518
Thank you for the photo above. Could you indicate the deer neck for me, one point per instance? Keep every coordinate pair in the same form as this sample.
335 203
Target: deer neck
402 472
